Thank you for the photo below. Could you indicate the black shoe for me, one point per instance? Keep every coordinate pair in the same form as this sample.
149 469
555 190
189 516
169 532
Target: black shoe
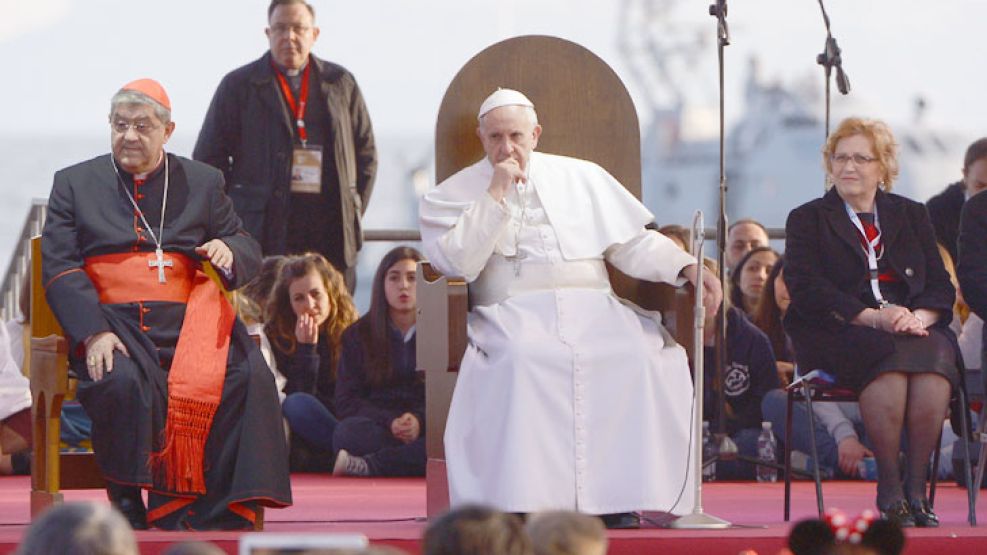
899 513
21 463
922 513
127 500
621 521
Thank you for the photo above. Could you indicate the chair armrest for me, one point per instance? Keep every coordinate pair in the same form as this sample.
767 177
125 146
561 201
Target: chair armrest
49 366
676 304
442 306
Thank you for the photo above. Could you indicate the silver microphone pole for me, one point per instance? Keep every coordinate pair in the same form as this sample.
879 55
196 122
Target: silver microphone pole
698 519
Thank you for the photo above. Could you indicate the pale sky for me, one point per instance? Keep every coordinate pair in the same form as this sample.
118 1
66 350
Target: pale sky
63 59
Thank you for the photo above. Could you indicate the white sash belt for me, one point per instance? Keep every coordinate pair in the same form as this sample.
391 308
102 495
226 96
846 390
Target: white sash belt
500 279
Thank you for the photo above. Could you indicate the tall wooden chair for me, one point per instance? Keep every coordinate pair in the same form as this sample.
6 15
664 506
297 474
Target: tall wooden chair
51 470
586 113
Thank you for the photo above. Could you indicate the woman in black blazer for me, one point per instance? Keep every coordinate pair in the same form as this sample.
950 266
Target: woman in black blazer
885 337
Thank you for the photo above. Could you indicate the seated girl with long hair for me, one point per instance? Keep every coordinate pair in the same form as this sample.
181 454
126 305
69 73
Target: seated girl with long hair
306 314
380 397
749 277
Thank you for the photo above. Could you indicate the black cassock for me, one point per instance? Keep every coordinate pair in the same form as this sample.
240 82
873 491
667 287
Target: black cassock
90 214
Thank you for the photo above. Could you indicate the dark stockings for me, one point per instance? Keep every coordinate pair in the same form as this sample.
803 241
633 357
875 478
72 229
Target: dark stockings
891 403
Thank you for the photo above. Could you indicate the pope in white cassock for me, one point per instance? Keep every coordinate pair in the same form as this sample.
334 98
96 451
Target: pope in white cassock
567 396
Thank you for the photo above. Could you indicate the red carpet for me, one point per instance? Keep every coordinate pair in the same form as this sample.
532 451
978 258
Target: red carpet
392 511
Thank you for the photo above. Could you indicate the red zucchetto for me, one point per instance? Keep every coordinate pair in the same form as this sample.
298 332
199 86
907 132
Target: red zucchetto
151 88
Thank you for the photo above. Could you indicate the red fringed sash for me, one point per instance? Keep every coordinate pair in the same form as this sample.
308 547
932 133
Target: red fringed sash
195 381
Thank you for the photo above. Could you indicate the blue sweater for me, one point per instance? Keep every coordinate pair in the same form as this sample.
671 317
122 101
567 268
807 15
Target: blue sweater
750 372
356 397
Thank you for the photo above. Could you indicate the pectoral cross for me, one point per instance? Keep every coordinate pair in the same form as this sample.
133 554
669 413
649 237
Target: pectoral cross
517 259
160 263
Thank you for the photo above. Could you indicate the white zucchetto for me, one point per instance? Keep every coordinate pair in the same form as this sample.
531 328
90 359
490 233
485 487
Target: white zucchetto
503 97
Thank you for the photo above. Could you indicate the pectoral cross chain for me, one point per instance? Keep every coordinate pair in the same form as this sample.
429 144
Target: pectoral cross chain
160 263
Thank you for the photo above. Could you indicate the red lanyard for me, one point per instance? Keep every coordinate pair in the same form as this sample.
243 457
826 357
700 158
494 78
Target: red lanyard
297 110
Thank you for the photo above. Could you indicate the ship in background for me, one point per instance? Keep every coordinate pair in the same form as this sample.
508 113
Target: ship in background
772 151
669 65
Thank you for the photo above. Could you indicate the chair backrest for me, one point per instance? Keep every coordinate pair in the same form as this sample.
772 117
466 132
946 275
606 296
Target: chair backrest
583 107
43 322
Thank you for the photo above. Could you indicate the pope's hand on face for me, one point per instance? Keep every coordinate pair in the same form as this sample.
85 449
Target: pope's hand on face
506 174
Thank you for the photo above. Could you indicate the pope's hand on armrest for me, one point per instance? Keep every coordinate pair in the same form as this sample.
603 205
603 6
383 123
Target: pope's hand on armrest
712 291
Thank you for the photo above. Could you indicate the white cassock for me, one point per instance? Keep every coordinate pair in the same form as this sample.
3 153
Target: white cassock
567 397
15 389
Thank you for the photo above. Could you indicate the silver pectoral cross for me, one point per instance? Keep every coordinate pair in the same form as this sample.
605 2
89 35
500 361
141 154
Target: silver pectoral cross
160 263
517 259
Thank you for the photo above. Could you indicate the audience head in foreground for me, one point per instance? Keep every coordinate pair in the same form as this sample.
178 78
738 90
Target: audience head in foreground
79 529
839 534
476 530
566 533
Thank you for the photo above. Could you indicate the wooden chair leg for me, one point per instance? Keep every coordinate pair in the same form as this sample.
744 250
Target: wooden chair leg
259 519
45 468
42 500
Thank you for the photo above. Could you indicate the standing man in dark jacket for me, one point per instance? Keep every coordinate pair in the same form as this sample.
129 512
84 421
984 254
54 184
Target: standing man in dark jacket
293 137
944 208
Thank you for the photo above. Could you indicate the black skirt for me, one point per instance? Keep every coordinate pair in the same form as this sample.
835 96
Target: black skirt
934 353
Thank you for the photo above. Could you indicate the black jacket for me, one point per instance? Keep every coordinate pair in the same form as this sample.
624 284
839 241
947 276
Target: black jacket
972 267
247 134
944 211
309 370
826 269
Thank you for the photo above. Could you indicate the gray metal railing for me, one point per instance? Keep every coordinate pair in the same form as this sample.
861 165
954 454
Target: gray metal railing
20 262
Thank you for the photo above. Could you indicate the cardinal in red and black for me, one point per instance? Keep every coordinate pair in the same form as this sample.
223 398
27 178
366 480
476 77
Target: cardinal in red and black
137 249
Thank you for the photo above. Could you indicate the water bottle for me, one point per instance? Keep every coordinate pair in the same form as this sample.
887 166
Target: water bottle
709 452
766 449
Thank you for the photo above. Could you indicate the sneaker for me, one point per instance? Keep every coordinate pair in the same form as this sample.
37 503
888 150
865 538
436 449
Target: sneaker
350 465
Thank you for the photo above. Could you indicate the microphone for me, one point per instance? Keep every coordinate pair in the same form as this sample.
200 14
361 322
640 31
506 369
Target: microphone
831 57
719 11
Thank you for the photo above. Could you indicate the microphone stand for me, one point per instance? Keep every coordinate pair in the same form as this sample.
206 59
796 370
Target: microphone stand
829 59
719 11
697 519
725 446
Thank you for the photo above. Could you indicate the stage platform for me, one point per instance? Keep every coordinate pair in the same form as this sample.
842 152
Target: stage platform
392 511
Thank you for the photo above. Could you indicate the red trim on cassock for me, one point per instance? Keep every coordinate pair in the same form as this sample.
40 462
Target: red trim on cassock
164 510
61 275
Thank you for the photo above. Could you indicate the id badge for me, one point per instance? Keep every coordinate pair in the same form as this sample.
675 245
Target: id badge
306 169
